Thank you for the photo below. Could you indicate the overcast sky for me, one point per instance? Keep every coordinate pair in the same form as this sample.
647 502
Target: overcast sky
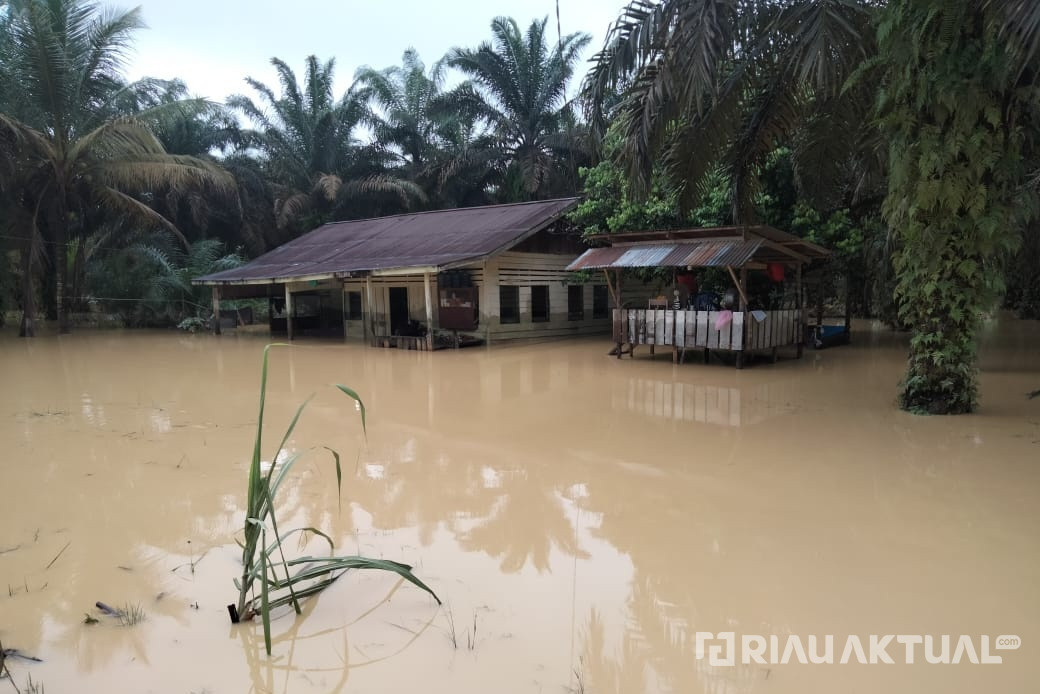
214 44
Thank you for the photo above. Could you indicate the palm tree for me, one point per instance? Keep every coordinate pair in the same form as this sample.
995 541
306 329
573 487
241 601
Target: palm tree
152 275
307 144
519 88
78 159
706 81
445 150
401 109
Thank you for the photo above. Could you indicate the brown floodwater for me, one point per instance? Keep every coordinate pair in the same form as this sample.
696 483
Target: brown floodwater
582 517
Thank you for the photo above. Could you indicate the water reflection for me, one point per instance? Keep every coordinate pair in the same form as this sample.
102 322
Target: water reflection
553 496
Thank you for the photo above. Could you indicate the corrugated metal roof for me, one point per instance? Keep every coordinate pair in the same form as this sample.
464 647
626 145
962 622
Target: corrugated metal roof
803 247
715 253
423 239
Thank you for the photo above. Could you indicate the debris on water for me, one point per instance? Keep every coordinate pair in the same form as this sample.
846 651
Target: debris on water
124 568
1030 396
88 619
110 611
60 552
15 653
160 596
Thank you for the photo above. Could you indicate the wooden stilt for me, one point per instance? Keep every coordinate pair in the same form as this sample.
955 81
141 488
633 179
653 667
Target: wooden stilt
216 309
288 313
746 322
371 322
800 323
429 310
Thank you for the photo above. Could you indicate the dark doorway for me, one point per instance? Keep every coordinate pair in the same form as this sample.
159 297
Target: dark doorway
398 309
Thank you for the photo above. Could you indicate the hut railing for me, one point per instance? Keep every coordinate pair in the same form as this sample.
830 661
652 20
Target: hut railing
701 329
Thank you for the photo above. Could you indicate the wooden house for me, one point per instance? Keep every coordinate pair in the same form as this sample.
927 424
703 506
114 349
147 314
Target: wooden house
429 279
742 329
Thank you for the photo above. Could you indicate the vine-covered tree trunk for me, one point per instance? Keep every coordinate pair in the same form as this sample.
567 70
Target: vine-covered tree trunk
954 197
27 326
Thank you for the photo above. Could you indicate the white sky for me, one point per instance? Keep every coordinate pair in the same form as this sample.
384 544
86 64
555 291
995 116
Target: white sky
214 44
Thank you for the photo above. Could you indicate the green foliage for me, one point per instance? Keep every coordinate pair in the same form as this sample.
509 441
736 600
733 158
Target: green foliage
318 169
953 119
722 84
285 581
610 205
149 281
518 89
76 160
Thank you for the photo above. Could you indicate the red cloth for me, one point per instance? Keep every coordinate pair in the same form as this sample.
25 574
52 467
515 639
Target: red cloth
688 281
775 271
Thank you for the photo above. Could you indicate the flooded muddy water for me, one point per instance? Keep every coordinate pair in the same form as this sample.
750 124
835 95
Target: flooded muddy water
582 517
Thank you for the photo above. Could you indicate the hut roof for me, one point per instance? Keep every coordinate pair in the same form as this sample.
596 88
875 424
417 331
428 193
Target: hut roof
732 246
429 240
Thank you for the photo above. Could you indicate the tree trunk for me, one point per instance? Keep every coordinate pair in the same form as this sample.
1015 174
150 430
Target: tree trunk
59 290
61 260
27 326
50 281
955 189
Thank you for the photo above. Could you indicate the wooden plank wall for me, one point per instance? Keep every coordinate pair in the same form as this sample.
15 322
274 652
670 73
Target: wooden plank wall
779 328
700 329
522 270
526 270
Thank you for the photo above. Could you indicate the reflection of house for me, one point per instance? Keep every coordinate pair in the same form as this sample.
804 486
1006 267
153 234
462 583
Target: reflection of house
491 272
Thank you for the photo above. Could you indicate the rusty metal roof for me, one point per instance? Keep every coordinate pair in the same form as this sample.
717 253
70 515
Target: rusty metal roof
780 244
708 253
423 239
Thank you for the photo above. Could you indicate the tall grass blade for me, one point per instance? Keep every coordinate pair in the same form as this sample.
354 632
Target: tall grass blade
351 393
313 574
265 603
339 477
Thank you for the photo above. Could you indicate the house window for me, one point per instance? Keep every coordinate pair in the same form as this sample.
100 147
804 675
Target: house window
600 304
354 311
539 304
509 304
576 302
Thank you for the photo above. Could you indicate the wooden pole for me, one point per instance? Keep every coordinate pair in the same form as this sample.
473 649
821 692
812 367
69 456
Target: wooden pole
429 310
343 307
610 288
288 313
216 309
371 322
800 322
483 305
742 288
739 284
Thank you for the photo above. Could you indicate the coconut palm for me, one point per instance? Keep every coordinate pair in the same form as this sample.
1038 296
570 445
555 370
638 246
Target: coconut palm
307 143
519 88
78 159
